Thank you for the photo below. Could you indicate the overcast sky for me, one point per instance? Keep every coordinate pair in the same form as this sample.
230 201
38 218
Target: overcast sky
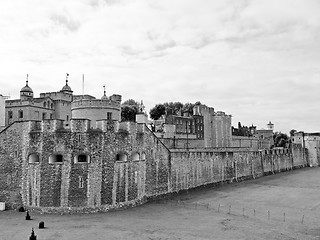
256 60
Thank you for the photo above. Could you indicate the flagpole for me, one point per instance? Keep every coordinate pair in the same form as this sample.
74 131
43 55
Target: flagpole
82 85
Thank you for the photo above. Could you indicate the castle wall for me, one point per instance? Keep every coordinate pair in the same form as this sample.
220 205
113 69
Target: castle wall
95 110
245 142
13 145
115 164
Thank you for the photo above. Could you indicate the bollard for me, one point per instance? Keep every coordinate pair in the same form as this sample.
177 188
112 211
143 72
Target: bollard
32 237
229 209
21 209
28 216
302 219
41 224
284 217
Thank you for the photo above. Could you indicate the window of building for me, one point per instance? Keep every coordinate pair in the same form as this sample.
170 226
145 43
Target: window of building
20 113
82 158
56 158
48 104
121 157
143 156
81 182
135 157
51 116
44 115
67 117
51 105
33 158
109 115
10 114
44 104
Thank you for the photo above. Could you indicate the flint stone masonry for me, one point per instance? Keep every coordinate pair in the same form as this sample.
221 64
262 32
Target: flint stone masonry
115 165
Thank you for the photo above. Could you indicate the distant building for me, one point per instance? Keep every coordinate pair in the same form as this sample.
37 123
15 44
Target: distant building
205 128
265 136
61 105
2 111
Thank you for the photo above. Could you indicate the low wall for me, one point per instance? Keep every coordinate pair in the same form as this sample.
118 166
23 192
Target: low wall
195 168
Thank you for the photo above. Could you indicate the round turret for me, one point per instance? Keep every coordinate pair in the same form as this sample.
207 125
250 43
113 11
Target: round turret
66 88
26 92
104 97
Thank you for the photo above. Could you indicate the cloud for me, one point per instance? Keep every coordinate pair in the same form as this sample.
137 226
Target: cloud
257 60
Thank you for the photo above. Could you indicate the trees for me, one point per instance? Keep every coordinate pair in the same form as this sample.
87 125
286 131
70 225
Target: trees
172 108
157 111
292 132
129 109
280 139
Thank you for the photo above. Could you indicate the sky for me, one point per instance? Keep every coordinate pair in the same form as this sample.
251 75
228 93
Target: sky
256 60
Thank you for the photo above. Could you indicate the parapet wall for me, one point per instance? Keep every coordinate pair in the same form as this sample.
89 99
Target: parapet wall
120 164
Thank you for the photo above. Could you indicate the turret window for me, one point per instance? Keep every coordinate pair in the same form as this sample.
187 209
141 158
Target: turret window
82 158
33 158
121 157
56 158
135 157
20 114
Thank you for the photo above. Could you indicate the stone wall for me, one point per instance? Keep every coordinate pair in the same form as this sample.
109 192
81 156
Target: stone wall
116 164
245 142
196 168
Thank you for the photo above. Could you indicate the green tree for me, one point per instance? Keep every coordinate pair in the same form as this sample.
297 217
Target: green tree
129 109
188 107
157 111
280 139
292 132
172 108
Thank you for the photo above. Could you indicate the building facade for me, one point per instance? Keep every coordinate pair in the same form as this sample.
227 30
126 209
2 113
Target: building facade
62 105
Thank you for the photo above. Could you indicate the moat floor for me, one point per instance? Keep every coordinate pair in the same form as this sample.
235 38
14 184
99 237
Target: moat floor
281 206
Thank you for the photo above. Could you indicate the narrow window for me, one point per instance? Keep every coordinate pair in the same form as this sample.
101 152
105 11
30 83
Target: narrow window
135 157
51 105
56 158
10 114
109 115
121 157
33 158
51 116
20 114
67 117
81 182
82 158
43 115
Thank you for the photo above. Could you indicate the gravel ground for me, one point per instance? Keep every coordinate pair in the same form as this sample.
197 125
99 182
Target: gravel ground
280 206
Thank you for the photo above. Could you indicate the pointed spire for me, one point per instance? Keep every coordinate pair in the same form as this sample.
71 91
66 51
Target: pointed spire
67 79
104 97
27 79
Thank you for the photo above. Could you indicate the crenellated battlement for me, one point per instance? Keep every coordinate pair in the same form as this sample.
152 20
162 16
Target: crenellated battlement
94 103
84 125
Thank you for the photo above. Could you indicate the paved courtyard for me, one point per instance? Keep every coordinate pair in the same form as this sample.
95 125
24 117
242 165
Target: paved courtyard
281 206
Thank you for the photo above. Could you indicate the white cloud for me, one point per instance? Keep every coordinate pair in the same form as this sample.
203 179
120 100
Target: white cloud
255 59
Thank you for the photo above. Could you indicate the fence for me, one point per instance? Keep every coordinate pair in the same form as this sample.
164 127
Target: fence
274 215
